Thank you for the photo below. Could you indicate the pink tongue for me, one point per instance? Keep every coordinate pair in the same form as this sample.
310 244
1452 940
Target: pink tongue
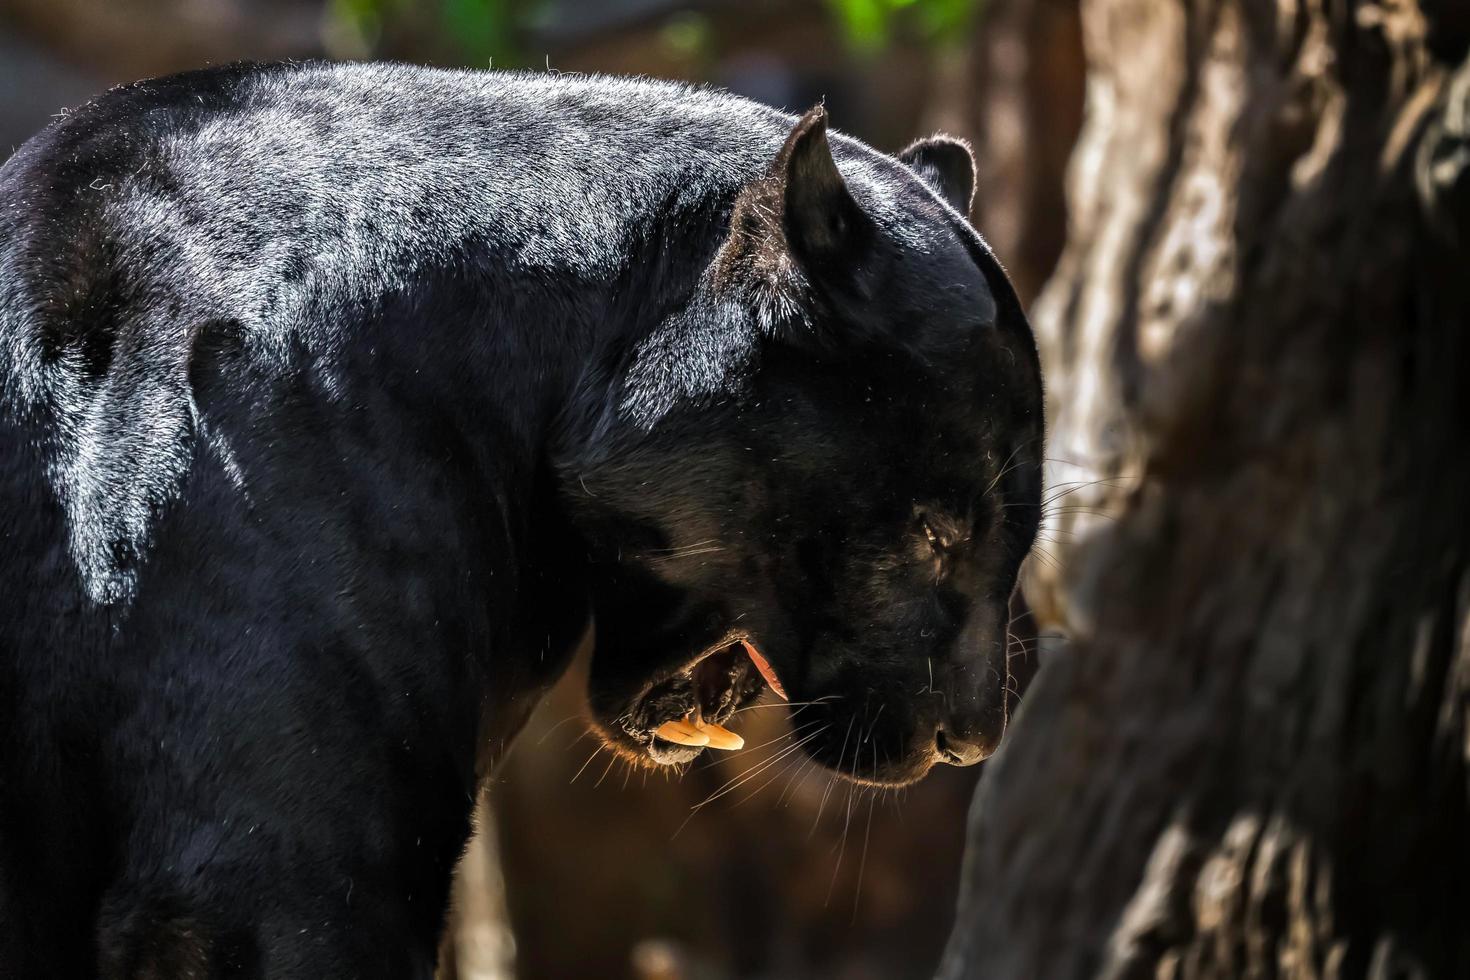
766 670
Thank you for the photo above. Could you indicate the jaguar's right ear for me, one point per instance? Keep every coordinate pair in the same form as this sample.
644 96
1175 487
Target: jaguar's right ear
823 226
799 227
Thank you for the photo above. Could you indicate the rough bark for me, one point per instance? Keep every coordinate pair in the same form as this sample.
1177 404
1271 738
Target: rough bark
1249 760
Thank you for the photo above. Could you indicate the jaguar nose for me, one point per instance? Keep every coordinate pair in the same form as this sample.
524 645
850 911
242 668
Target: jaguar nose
972 718
956 750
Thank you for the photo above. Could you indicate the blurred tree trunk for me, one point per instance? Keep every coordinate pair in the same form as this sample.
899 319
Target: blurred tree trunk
1250 759
1026 85
478 944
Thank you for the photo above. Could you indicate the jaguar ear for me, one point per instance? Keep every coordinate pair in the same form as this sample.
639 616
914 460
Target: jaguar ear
823 226
947 166
796 235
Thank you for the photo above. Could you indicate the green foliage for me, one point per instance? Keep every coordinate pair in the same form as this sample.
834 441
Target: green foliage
478 28
868 25
479 31
483 31
360 21
688 34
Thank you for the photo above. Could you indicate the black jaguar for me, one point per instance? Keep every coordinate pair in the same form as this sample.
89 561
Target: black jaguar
336 404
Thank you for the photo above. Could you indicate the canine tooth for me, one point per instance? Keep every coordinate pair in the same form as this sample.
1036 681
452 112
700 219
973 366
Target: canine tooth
767 672
721 737
681 733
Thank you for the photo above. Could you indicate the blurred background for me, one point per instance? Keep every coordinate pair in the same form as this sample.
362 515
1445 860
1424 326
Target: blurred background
584 871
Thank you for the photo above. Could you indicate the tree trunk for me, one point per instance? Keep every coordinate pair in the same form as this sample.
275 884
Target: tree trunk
478 944
1026 108
1249 758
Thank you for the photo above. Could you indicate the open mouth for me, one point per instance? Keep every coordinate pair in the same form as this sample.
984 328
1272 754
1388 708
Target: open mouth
678 717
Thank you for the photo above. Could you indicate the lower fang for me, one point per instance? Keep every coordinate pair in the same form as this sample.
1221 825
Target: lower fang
682 733
721 737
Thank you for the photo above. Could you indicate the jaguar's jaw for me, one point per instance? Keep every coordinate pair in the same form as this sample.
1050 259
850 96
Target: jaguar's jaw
679 714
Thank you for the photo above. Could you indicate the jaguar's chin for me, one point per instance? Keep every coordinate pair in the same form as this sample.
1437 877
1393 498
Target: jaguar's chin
679 714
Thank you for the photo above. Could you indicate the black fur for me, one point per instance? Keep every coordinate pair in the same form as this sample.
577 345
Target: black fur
337 401
945 164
